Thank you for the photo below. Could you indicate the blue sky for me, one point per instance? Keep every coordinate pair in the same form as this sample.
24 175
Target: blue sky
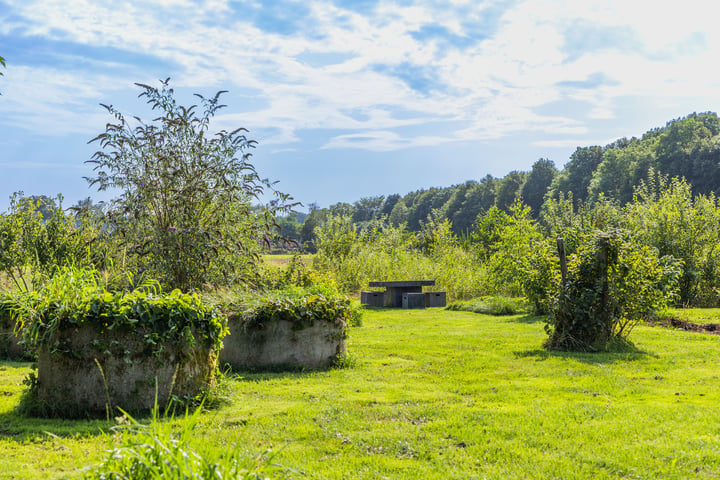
349 99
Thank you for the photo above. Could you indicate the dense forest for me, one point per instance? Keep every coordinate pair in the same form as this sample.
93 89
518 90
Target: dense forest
687 147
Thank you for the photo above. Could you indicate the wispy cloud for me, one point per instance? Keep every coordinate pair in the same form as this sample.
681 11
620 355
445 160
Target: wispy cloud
364 69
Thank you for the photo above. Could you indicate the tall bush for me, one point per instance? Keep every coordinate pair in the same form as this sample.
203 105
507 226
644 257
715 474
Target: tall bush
505 242
612 282
185 207
34 246
664 214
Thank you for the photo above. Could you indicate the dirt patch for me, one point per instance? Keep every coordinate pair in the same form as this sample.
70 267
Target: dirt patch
709 328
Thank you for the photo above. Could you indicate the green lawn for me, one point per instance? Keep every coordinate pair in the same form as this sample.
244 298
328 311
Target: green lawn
439 394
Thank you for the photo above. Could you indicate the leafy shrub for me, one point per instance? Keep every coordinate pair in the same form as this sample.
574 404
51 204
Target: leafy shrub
541 275
185 209
611 283
506 242
76 297
37 237
492 305
665 215
301 306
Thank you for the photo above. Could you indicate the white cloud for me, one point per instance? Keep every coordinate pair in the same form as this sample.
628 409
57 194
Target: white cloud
488 89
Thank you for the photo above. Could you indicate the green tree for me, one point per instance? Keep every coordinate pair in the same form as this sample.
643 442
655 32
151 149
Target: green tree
423 206
367 209
537 184
509 189
478 199
389 204
505 242
625 163
689 147
577 174
399 213
185 207
341 209
455 203
307 231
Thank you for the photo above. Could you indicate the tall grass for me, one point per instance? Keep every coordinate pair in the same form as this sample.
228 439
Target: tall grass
154 451
385 253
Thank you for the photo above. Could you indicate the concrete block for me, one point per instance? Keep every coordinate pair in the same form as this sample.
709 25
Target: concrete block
372 299
413 300
435 299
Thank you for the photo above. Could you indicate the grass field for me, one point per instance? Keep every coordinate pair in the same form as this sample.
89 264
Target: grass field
439 394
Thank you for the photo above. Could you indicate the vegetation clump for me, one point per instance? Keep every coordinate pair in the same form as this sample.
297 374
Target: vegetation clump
77 297
490 305
98 349
610 284
300 306
152 452
185 212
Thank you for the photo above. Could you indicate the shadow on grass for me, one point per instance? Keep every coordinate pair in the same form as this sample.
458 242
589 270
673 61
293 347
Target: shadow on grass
277 373
628 353
528 319
20 428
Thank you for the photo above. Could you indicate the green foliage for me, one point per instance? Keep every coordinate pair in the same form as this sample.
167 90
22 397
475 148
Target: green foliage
334 240
301 306
37 237
488 232
577 174
665 215
492 305
154 452
184 211
612 282
621 170
76 297
381 252
540 275
506 242
537 184
509 189
561 219
309 226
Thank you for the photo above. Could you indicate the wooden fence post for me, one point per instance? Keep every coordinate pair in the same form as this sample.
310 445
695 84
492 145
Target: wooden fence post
563 258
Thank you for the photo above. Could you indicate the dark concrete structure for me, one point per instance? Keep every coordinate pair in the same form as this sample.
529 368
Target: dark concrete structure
395 290
413 300
435 299
372 299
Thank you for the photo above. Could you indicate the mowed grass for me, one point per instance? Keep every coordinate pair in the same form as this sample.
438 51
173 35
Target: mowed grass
439 394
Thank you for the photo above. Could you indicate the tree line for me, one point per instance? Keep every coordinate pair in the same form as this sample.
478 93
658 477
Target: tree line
687 147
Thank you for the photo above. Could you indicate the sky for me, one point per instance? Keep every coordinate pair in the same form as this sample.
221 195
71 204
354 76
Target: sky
350 99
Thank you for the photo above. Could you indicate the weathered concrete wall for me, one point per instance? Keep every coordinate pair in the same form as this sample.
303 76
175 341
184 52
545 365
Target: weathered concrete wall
278 345
129 374
10 349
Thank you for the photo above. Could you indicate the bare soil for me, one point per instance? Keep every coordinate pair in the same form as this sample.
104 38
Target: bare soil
709 328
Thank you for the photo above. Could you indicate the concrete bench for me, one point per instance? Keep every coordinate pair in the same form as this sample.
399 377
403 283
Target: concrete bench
435 299
413 300
372 299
